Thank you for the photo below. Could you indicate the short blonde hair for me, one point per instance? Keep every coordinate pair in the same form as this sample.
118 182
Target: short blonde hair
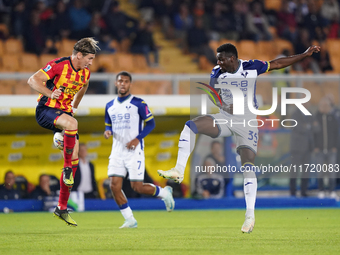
86 46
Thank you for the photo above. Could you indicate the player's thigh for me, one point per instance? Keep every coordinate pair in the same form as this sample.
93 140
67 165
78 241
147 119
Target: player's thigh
221 125
66 121
135 164
46 117
246 143
116 168
205 125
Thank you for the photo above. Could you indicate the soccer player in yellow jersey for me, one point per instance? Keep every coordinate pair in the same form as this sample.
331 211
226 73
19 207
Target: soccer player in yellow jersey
62 84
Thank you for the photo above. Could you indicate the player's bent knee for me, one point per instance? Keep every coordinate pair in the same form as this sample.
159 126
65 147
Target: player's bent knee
67 122
205 125
114 186
72 124
192 125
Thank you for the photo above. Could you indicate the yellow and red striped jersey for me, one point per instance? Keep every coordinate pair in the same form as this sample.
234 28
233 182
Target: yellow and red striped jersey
61 74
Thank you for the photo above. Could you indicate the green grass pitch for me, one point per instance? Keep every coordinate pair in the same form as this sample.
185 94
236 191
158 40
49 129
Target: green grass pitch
290 231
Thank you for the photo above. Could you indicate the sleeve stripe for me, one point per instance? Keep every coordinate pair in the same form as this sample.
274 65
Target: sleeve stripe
268 66
150 118
106 124
48 77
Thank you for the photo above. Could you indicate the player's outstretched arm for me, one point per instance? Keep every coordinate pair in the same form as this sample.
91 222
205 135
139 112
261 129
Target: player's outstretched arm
36 82
287 61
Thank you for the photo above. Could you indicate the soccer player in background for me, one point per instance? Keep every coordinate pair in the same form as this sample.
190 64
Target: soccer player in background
62 84
229 66
124 118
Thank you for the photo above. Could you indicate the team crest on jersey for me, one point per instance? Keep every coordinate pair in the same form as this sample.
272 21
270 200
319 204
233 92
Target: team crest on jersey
47 68
244 74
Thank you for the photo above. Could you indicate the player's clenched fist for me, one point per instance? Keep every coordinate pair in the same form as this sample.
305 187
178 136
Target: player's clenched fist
107 134
56 94
132 144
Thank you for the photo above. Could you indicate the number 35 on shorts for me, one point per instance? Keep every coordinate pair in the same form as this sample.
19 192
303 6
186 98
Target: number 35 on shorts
252 137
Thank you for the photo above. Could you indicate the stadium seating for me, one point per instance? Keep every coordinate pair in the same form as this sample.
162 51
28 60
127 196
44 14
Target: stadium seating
29 63
125 45
273 31
10 63
140 64
333 46
281 44
184 87
264 88
125 62
66 47
45 58
223 41
151 87
247 49
21 87
6 87
273 5
214 44
107 61
204 64
1 48
13 46
4 30
265 48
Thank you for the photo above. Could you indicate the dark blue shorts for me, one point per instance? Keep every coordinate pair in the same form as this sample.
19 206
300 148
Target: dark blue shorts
46 116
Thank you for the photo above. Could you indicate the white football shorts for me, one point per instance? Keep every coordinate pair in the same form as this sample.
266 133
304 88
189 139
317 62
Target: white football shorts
246 135
132 162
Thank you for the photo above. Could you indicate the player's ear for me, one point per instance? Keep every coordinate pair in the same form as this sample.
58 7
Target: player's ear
79 55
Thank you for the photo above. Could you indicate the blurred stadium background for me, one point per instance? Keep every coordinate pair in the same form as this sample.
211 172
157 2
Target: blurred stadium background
185 34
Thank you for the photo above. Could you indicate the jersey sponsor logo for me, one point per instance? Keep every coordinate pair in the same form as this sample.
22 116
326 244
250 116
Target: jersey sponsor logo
47 68
68 90
120 117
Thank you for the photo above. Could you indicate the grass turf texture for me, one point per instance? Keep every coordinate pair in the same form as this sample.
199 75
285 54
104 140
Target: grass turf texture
301 231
